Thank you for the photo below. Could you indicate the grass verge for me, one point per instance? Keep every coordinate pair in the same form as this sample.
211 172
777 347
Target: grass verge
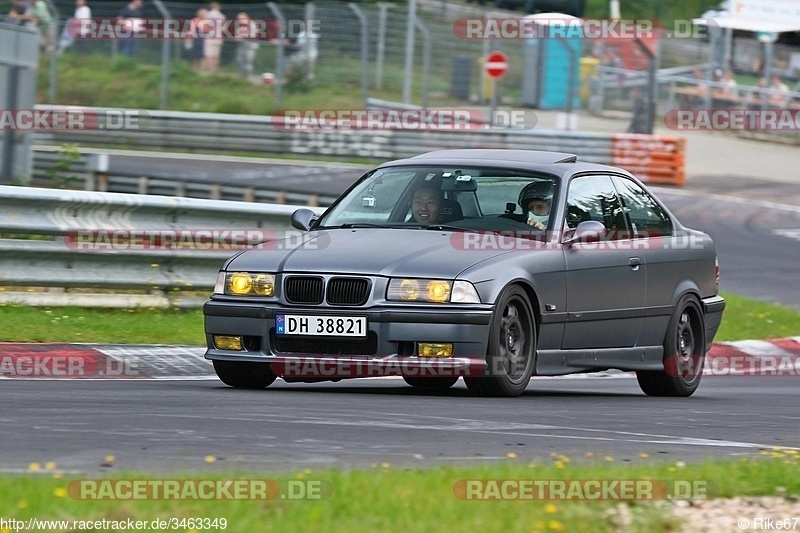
135 84
387 498
744 318
117 326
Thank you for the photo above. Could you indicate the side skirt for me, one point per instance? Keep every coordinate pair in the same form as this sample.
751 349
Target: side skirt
559 362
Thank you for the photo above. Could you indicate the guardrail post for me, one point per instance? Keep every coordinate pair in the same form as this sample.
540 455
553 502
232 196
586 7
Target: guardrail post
144 181
102 182
8 150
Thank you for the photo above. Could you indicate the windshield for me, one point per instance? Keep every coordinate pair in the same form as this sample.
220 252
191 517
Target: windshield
469 198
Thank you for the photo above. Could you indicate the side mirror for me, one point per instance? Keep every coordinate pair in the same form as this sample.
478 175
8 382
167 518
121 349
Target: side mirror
301 219
587 231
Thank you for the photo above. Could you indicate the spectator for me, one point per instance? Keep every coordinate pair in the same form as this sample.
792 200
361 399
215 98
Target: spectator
729 85
780 93
759 97
699 78
73 29
197 43
20 13
308 51
44 23
639 118
132 15
246 46
213 47
698 96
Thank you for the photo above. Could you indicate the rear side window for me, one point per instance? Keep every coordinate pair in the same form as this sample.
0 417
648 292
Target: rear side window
646 216
594 198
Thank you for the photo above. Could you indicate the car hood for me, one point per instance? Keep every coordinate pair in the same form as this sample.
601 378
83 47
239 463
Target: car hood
379 251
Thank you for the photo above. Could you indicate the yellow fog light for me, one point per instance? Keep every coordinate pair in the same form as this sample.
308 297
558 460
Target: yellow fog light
431 349
438 291
227 342
264 284
240 283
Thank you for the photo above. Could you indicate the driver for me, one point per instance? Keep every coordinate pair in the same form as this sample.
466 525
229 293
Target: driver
426 205
535 200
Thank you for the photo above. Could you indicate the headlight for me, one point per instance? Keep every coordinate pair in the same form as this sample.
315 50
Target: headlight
248 284
431 290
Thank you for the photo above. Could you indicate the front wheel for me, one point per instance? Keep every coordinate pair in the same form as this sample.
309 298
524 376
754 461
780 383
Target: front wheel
684 354
244 375
511 350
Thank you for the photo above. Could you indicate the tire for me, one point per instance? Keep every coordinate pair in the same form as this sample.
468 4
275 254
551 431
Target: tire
684 354
244 375
511 350
433 383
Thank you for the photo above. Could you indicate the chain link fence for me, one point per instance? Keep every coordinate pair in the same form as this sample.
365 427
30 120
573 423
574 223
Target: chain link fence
361 52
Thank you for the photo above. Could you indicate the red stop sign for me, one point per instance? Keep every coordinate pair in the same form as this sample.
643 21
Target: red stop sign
496 64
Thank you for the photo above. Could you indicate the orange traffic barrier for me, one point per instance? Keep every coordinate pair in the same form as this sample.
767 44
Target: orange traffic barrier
652 158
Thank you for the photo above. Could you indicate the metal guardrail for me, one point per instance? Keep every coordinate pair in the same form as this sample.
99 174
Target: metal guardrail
90 171
210 132
39 248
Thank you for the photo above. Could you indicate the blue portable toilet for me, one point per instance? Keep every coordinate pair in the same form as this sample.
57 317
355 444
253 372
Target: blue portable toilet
549 59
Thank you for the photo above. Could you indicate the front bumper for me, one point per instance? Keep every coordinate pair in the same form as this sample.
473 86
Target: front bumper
390 348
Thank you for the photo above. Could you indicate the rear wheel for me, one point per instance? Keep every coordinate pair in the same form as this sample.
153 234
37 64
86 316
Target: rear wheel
244 375
511 350
431 383
684 354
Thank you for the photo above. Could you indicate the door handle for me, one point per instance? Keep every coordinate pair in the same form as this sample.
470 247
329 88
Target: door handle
634 263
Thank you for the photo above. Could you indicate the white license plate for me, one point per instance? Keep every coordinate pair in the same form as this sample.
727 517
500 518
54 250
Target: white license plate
321 326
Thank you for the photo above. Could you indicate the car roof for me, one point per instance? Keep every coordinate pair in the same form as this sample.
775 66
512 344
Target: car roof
520 156
559 164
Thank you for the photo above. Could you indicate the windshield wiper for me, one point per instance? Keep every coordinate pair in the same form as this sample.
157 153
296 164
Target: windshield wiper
350 225
446 227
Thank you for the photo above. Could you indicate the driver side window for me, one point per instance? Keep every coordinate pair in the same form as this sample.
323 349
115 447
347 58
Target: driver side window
594 198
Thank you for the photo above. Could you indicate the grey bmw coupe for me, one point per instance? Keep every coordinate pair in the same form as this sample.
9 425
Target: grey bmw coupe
491 265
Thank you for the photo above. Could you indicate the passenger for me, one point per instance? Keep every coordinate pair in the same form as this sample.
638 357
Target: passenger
426 205
535 200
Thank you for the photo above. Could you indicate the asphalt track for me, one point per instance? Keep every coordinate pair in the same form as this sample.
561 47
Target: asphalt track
327 179
174 425
757 241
